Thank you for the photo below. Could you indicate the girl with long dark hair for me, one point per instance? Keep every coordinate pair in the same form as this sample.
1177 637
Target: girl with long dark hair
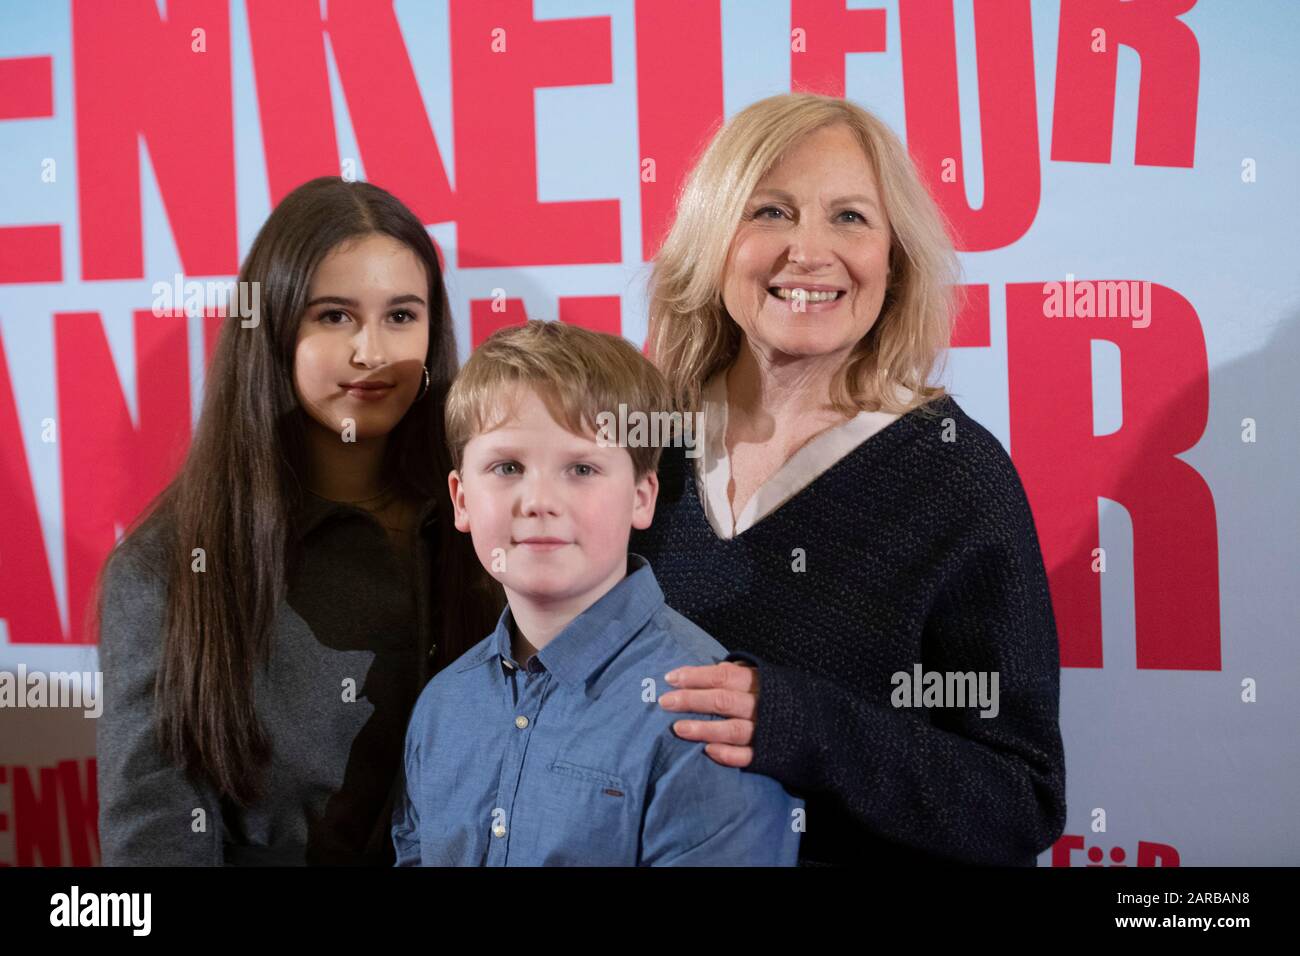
269 621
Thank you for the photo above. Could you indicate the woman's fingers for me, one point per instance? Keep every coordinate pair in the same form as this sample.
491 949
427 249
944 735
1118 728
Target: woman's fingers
725 674
730 756
722 701
732 733
727 690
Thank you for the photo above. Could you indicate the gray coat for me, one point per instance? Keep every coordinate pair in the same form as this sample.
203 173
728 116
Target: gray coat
352 614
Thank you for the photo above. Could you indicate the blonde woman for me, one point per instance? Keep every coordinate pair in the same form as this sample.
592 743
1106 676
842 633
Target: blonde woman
863 547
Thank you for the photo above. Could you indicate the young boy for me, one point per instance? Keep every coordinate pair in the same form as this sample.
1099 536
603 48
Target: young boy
545 744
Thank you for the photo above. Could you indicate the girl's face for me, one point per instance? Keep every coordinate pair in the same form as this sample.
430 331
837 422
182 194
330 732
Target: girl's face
363 337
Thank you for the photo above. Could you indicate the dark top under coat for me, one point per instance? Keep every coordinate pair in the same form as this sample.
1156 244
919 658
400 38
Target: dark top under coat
355 611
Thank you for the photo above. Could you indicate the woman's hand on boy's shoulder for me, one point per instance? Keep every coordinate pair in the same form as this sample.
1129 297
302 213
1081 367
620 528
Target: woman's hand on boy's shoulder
728 690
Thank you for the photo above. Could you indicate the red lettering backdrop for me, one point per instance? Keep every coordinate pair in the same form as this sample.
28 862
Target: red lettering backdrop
173 133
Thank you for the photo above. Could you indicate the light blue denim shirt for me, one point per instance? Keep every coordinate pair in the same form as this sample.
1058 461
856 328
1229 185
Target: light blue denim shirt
570 760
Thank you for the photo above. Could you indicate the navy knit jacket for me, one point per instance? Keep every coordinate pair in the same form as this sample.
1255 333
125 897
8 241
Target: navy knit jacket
916 547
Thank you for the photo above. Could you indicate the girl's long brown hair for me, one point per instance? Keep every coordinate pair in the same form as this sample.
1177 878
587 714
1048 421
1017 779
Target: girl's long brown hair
243 480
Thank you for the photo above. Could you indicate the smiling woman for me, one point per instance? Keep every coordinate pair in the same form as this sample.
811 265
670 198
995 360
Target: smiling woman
817 212
847 521
267 624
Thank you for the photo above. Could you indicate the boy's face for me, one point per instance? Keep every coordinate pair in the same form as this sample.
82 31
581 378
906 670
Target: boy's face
550 512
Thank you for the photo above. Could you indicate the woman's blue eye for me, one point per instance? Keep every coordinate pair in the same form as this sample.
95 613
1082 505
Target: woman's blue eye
759 213
854 212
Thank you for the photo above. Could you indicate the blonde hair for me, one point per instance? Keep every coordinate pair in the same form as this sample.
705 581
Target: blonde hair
691 335
576 372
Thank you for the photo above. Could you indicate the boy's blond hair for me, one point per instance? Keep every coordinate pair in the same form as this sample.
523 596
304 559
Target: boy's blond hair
578 374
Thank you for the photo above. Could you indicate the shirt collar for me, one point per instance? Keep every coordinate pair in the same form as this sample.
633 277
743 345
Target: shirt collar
594 637
713 403
315 510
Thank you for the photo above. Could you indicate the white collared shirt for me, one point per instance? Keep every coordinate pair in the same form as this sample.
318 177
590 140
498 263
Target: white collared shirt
713 467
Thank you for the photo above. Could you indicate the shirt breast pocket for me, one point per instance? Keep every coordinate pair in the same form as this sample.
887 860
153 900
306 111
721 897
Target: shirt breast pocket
588 817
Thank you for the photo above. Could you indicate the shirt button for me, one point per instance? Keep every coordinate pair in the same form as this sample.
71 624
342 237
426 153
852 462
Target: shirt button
498 831
521 721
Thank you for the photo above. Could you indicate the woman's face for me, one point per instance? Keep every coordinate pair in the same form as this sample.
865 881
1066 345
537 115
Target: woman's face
366 321
815 222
